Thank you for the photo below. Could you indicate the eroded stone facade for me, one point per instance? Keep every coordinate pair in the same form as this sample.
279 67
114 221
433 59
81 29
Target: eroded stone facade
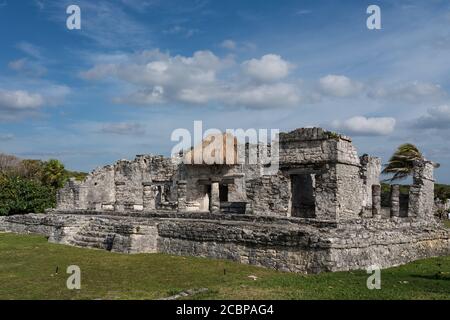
321 210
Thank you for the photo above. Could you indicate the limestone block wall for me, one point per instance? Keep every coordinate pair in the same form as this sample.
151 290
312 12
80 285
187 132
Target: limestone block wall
345 151
100 188
237 190
336 167
157 168
278 243
349 192
67 196
314 145
269 195
326 194
121 186
128 183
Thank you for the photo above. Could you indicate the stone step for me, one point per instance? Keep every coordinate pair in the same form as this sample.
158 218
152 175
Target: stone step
87 239
99 229
96 245
109 229
102 223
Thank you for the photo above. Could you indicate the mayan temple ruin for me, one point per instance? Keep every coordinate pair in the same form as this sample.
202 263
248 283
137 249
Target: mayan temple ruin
320 211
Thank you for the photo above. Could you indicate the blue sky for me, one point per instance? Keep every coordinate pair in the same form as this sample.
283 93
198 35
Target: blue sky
138 69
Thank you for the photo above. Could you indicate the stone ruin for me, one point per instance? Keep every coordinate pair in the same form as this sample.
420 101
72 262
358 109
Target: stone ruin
320 211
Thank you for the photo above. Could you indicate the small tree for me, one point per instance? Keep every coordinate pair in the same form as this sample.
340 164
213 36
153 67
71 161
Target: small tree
32 169
54 174
401 164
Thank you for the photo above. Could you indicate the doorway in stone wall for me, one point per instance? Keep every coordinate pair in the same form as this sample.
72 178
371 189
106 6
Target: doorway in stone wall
223 192
303 196
207 202
159 197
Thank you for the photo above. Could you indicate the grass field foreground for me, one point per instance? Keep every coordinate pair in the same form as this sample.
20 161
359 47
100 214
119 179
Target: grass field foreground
28 266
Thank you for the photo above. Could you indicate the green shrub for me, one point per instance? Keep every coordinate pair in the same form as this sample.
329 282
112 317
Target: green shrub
442 191
21 196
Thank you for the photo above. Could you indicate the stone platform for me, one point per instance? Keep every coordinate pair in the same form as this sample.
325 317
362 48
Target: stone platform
286 244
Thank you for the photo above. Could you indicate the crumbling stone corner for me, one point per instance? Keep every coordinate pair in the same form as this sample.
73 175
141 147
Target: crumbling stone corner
421 194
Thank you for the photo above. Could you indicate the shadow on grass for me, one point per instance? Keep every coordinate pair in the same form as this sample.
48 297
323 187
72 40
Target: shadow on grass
436 276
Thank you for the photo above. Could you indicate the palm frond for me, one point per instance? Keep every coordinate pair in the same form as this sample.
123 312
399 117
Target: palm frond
401 164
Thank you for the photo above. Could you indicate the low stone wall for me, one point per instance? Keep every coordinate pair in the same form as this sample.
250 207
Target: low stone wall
286 244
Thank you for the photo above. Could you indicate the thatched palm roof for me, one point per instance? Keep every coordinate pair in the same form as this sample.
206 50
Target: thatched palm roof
214 149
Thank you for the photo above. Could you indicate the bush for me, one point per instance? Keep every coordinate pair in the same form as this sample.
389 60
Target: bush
31 185
442 191
21 196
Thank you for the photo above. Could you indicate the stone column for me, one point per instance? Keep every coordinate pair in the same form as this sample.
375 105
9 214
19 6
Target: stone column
376 201
215 197
395 200
148 196
421 193
181 195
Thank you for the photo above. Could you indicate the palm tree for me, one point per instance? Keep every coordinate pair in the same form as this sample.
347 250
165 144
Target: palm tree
401 164
54 174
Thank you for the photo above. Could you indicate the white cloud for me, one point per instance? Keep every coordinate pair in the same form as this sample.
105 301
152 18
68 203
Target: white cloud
139 5
123 128
362 126
156 78
110 23
30 49
410 92
228 44
180 30
16 104
268 96
270 67
27 67
339 86
155 68
54 94
144 97
20 100
436 118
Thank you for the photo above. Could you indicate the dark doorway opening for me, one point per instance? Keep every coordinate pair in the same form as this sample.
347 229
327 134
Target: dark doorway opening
303 198
159 198
404 203
208 192
223 192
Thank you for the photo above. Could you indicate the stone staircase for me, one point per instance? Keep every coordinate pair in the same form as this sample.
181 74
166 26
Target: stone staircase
96 233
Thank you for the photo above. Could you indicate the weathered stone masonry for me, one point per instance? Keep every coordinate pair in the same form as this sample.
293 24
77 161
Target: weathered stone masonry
321 211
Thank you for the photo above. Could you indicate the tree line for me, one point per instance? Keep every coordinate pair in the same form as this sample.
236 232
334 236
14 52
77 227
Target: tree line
31 185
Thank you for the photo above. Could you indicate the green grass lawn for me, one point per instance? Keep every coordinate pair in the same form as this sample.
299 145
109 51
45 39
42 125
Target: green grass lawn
28 264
